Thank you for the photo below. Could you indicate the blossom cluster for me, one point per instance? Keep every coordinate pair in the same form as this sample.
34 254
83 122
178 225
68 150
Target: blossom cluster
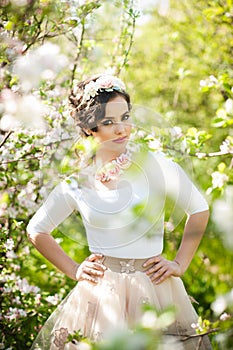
42 63
20 285
209 82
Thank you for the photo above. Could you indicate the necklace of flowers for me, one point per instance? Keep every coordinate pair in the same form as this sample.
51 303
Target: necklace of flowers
114 168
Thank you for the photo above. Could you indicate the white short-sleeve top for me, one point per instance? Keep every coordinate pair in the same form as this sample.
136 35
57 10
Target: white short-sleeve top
128 221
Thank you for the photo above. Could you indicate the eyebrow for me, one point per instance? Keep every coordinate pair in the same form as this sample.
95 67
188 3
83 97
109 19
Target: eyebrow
127 112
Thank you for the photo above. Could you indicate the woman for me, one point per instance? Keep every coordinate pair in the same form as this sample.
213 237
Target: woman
121 196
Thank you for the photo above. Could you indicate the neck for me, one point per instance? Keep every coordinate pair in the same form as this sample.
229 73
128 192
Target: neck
108 155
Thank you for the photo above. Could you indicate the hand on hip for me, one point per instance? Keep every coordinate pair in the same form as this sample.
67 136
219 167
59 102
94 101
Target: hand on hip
91 268
160 268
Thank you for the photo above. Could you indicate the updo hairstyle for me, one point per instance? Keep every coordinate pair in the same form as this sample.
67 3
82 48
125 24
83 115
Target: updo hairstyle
87 114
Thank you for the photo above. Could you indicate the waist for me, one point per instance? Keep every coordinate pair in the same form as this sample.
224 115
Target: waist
124 265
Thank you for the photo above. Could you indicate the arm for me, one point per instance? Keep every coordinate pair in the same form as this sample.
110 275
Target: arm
49 248
193 232
58 206
162 268
185 194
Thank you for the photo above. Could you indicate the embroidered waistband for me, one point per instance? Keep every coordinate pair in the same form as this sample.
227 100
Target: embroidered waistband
124 265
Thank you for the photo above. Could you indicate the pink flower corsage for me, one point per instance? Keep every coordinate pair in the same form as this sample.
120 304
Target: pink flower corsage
113 169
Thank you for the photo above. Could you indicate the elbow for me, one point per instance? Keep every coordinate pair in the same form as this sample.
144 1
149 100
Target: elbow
36 237
32 234
35 234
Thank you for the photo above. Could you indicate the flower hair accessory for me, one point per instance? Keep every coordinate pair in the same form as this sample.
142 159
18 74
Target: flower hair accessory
104 83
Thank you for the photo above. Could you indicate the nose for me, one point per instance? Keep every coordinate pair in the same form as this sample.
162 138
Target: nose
119 128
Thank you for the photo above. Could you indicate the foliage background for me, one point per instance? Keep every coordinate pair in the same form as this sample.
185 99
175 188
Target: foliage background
176 58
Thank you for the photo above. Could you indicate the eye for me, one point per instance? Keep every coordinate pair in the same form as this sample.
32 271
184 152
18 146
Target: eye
107 122
126 117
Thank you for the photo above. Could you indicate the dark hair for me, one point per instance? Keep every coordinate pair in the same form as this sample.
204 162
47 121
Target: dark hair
87 114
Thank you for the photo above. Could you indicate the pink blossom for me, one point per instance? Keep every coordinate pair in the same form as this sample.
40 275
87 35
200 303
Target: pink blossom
124 161
7 290
53 299
9 245
17 300
24 287
195 325
112 169
11 254
37 299
169 226
225 316
14 313
105 82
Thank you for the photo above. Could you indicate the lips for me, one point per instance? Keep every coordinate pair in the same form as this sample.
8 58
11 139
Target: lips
121 139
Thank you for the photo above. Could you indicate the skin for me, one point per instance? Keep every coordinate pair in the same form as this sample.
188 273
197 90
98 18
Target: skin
117 125
160 268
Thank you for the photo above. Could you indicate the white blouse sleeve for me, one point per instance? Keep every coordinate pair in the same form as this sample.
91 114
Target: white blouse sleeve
180 188
61 202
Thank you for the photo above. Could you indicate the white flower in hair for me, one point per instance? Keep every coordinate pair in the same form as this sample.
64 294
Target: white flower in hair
103 83
90 91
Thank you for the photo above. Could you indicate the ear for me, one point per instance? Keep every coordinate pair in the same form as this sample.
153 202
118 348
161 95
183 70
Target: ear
87 131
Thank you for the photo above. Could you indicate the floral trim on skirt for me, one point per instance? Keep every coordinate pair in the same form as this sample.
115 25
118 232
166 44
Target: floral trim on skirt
116 302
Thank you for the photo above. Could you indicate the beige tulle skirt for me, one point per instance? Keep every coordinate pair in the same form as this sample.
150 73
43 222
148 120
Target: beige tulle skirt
116 303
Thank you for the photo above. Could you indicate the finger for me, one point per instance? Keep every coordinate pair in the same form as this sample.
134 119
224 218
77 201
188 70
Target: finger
94 272
163 277
94 257
156 267
99 266
158 274
95 266
153 260
86 277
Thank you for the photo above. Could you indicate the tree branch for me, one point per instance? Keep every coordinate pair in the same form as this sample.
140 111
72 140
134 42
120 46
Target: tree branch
35 38
211 154
78 53
129 46
201 154
185 337
22 159
5 138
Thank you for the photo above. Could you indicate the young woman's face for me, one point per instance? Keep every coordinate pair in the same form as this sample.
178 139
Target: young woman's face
114 130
